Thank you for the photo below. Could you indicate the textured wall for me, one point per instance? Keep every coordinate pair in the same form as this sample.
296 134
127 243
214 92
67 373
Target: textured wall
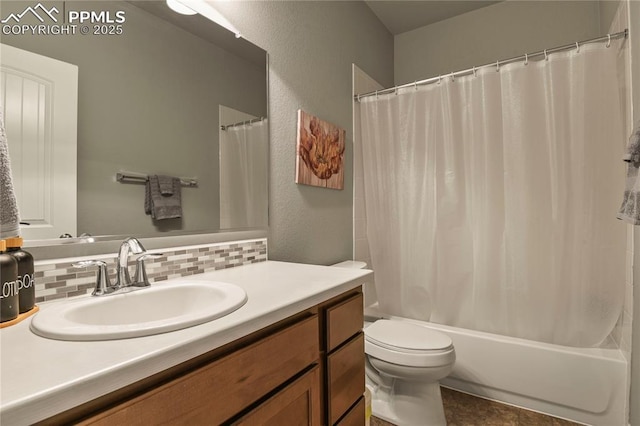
311 48
500 31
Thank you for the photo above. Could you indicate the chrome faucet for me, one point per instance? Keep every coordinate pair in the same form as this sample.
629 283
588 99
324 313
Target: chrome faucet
129 246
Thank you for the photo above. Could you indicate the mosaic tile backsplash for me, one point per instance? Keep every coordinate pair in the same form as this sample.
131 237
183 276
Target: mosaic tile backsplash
58 279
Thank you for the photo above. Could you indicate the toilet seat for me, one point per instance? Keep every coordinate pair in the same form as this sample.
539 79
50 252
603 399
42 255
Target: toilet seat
408 344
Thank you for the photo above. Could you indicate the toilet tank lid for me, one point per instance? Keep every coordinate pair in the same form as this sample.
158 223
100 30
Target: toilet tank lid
356 264
406 335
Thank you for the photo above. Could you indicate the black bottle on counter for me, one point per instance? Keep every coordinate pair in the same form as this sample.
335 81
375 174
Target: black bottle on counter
25 280
8 279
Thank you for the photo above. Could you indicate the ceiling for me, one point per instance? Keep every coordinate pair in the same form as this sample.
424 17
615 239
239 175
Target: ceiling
400 16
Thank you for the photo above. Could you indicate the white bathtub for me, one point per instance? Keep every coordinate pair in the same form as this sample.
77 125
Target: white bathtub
582 385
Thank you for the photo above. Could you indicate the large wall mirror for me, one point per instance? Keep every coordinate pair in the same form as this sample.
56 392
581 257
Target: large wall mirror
156 93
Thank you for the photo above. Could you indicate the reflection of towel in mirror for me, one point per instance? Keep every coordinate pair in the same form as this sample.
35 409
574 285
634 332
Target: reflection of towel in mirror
162 197
9 216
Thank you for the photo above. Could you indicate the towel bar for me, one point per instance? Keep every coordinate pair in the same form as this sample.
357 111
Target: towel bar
127 177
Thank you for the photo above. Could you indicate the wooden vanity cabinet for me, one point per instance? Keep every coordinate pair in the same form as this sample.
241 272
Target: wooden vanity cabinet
218 391
305 370
342 359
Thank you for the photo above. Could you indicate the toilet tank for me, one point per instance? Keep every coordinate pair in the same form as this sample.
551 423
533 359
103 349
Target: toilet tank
356 264
369 290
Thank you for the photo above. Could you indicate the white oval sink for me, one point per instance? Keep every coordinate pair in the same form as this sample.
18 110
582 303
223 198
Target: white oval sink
152 310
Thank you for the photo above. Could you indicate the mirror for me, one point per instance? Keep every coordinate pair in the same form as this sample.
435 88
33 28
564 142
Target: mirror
152 86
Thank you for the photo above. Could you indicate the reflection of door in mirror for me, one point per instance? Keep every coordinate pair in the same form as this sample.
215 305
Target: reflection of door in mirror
41 126
243 170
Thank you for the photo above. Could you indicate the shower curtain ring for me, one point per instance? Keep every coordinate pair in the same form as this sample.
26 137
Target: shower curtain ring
376 94
526 59
439 79
474 71
546 57
608 40
577 47
415 83
497 66
453 78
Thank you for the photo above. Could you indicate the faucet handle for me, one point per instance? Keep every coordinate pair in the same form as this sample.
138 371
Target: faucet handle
103 286
140 279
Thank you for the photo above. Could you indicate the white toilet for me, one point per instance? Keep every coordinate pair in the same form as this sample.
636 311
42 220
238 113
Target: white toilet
404 362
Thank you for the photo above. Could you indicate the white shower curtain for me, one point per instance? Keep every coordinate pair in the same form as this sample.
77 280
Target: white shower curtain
243 176
491 199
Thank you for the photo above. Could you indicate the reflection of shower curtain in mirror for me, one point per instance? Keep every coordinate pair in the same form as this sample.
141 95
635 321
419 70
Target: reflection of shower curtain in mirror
491 200
243 176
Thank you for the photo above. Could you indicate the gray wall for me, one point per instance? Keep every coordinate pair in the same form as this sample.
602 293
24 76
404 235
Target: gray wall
148 102
311 48
500 31
608 10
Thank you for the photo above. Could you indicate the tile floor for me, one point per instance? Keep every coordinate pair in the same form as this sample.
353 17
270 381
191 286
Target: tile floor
462 409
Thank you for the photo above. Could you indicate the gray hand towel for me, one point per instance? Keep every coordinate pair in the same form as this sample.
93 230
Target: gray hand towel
161 206
633 149
9 215
630 208
166 184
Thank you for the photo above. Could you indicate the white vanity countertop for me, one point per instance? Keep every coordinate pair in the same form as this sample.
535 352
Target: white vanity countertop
41 377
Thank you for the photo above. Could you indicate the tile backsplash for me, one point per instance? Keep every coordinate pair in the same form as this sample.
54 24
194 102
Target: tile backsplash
56 279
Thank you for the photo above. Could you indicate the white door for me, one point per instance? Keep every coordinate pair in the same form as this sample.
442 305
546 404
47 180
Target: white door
39 98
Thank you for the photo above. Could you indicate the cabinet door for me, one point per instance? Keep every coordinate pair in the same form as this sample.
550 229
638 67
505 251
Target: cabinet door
345 373
355 416
218 391
298 404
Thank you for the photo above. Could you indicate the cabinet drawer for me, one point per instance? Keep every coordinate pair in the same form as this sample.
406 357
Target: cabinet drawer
344 320
355 416
220 390
345 377
297 404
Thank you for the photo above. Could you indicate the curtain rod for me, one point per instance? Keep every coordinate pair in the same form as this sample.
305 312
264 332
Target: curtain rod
240 123
525 57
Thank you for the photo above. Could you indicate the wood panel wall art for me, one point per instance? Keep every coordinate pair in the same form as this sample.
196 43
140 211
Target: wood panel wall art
320 152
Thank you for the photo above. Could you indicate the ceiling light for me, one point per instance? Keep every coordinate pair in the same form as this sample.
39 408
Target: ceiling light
204 8
179 7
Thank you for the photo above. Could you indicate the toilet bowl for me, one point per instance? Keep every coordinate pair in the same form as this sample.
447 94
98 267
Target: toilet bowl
404 362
